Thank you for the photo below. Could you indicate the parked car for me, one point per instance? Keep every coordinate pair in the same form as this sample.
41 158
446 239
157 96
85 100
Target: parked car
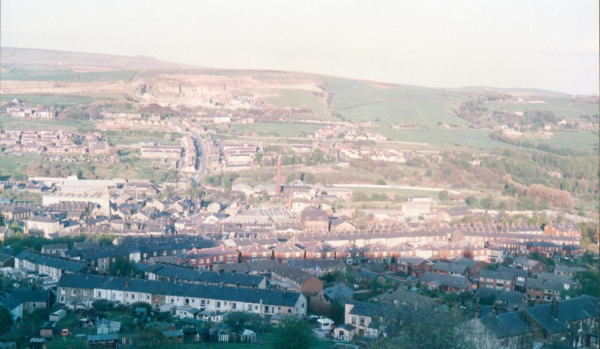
65 332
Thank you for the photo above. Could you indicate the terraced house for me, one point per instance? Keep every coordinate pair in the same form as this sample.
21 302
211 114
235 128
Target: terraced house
77 288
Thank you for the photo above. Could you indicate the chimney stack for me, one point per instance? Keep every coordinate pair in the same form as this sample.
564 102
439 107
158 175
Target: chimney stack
278 184
554 308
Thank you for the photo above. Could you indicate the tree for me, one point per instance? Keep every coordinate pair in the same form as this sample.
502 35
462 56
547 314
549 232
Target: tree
293 333
351 274
6 320
443 195
237 320
423 328
123 267
471 200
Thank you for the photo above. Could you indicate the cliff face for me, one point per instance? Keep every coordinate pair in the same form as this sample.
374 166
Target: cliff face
143 79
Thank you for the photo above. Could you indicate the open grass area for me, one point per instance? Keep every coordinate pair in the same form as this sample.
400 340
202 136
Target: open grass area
10 165
277 129
27 124
297 99
391 192
582 141
443 138
392 104
48 99
41 73
562 107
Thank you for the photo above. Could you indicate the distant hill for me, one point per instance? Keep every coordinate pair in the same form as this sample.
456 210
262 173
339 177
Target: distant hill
145 80
80 61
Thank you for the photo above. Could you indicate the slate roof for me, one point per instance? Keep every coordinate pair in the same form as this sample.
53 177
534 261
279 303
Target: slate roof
410 298
38 296
339 290
368 309
508 297
9 302
505 325
181 289
460 282
450 267
191 275
294 274
54 262
316 263
464 261
569 310
517 272
498 275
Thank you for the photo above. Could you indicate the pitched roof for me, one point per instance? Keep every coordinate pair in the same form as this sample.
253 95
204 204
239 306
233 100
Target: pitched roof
505 325
316 263
569 310
52 261
38 296
181 289
446 280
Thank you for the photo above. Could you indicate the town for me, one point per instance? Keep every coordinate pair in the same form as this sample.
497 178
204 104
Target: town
332 175
189 264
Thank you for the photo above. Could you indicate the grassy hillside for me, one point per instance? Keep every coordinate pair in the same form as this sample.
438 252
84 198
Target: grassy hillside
297 99
563 107
393 104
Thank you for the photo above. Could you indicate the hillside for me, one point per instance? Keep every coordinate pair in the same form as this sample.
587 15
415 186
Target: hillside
59 76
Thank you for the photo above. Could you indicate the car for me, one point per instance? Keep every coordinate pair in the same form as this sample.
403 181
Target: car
65 332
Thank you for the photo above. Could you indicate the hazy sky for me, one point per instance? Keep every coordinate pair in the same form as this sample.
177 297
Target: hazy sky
543 44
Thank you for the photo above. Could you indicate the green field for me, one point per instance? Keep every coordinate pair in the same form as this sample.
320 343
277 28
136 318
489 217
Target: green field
40 73
392 104
277 129
582 141
9 165
563 107
47 99
26 124
297 99
443 138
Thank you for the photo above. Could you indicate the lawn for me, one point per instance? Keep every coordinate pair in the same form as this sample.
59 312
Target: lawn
393 104
290 130
562 107
443 138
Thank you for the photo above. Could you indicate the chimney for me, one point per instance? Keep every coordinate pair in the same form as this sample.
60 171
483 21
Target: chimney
278 184
126 283
554 308
237 285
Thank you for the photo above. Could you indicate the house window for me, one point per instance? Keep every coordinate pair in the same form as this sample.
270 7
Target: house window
99 294
362 321
200 261
233 305
249 307
354 320
62 291
218 304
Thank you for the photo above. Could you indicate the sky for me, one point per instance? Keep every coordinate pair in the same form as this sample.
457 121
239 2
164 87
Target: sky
545 44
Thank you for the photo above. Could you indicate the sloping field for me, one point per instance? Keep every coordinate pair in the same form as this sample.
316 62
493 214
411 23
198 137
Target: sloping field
393 104
563 107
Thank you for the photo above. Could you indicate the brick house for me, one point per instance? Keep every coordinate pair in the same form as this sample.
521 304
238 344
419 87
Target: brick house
206 258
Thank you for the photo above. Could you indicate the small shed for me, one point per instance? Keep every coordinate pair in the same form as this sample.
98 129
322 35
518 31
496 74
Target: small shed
57 315
344 332
109 340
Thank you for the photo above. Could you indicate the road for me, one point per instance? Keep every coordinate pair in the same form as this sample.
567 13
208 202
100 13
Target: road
201 160
331 141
